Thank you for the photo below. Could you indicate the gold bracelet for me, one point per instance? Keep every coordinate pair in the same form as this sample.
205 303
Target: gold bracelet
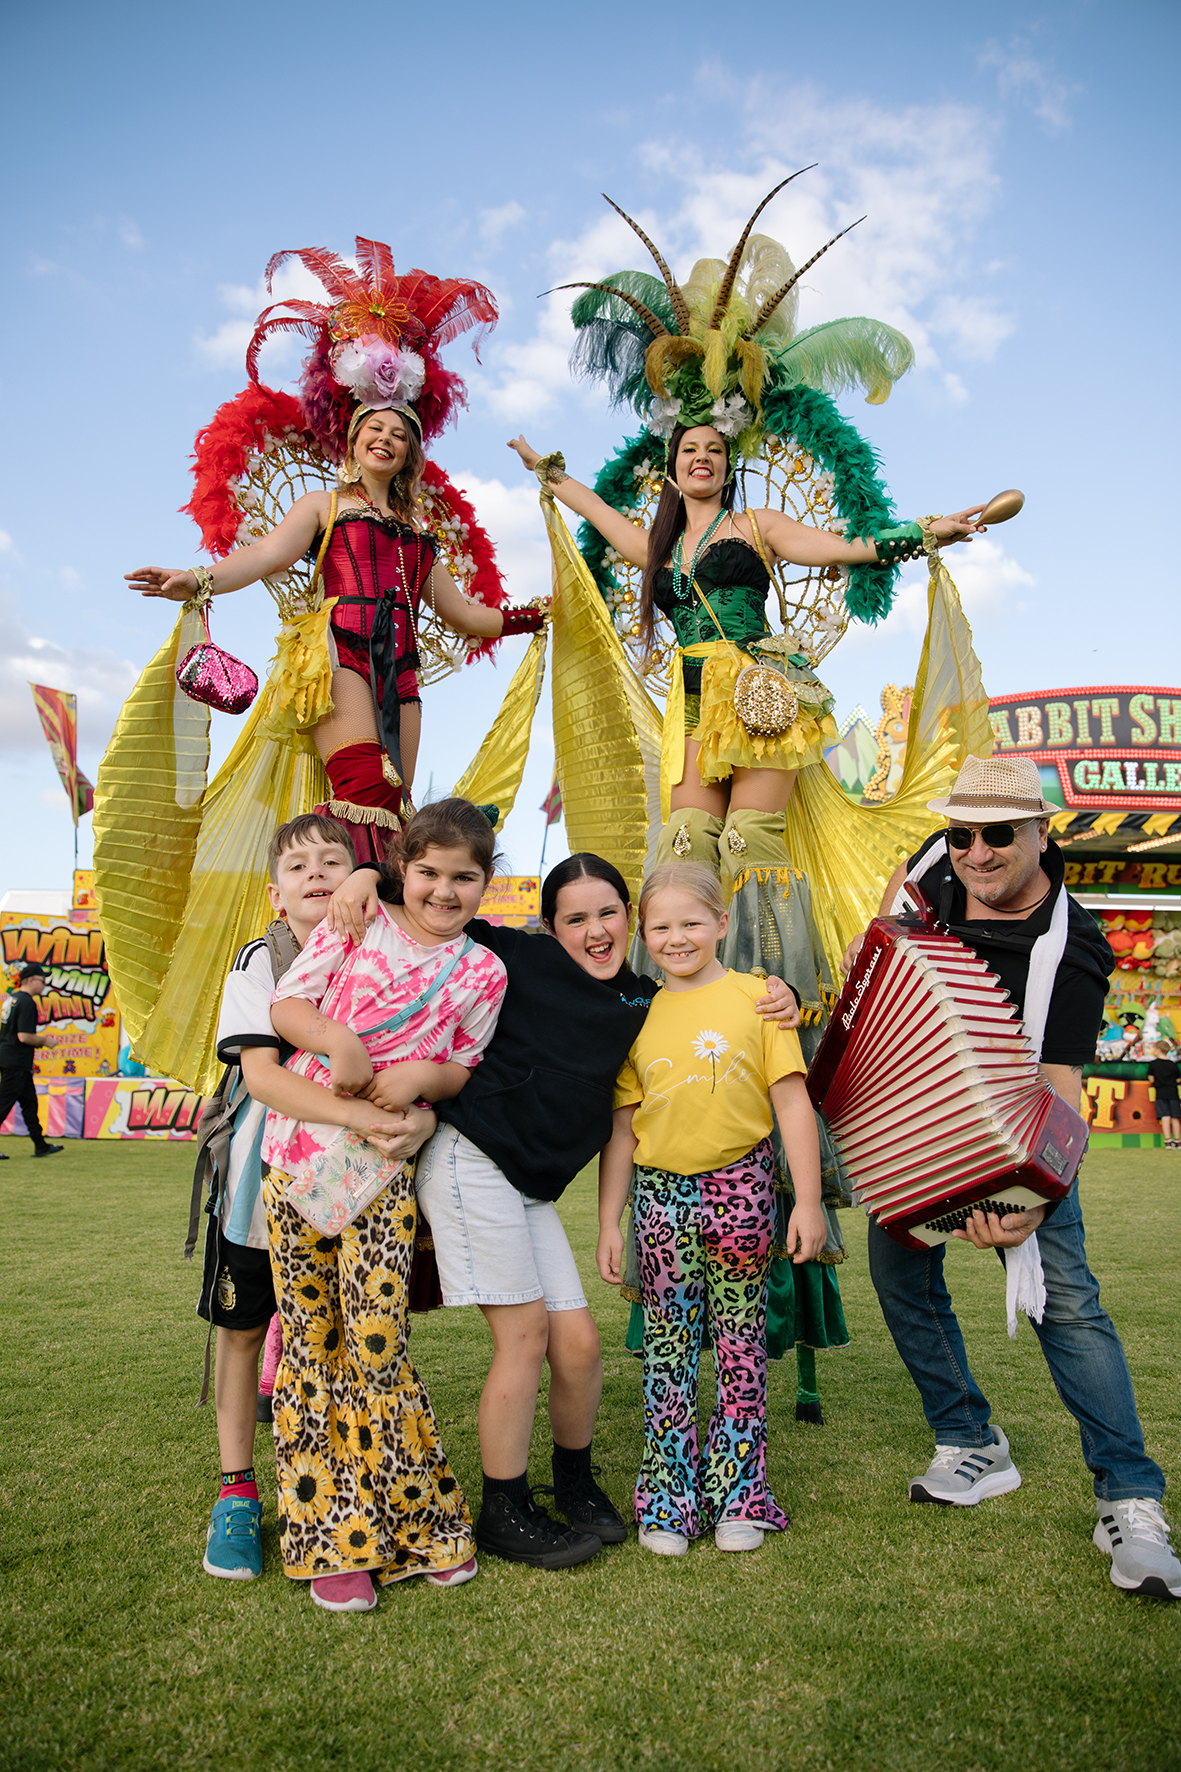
930 539
204 580
551 469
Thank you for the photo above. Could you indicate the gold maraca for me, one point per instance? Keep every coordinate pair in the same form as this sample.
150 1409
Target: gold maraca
1002 507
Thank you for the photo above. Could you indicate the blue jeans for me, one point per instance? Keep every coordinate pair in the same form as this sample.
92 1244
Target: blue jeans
1083 1351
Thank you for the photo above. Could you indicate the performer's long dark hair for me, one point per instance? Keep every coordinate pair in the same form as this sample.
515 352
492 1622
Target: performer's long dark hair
668 523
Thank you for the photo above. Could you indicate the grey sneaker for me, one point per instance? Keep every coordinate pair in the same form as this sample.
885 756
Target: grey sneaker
1135 1535
960 1476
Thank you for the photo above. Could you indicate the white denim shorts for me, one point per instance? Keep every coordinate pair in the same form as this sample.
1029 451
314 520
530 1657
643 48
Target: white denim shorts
493 1244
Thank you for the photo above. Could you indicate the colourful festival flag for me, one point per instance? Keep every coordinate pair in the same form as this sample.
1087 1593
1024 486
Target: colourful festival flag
552 804
59 722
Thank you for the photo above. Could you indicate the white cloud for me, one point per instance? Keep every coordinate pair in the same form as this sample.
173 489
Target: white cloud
973 326
923 176
130 235
5 541
495 222
984 574
97 677
226 348
511 516
1036 84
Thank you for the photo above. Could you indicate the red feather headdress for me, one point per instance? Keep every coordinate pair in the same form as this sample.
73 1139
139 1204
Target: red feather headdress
379 333
376 324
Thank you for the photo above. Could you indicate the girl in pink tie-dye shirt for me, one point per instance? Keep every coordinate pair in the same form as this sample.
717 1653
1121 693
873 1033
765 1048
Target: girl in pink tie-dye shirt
364 1487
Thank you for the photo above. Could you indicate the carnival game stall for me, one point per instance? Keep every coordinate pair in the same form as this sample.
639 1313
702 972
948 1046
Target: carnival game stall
1110 757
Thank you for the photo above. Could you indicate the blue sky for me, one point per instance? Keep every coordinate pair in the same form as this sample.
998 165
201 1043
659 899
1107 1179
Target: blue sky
1018 167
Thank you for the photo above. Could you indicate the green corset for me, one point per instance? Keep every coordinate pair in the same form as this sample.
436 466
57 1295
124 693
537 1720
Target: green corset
725 574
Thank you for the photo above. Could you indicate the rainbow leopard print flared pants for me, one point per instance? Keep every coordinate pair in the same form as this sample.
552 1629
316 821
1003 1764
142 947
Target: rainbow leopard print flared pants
705 1246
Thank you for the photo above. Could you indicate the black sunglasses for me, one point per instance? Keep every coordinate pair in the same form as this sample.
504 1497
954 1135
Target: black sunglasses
996 836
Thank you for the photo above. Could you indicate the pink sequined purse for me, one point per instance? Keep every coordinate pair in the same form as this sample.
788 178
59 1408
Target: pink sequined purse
207 673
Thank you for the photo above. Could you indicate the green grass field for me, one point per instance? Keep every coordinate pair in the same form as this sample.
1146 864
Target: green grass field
872 1636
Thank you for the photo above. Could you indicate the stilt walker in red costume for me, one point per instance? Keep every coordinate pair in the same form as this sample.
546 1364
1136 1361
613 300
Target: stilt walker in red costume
373 391
383 579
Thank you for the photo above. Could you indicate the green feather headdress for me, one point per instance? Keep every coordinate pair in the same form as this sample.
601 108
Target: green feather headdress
715 351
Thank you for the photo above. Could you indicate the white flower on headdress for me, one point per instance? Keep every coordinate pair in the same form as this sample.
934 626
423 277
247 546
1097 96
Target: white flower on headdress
662 419
731 415
377 373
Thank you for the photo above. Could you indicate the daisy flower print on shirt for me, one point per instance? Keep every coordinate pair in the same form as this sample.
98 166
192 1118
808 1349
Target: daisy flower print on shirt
710 1044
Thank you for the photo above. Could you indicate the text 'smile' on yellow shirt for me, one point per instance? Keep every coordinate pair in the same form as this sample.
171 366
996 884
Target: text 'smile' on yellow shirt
700 1071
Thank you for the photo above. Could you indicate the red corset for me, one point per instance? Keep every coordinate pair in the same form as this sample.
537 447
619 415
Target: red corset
367 561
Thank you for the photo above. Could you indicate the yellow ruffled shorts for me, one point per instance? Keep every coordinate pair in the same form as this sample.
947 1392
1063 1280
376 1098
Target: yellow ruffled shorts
726 744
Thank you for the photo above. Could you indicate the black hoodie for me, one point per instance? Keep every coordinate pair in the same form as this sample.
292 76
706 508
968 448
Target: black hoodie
1076 1005
540 1101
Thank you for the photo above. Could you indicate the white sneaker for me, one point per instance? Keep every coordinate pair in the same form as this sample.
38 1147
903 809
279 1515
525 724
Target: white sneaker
1135 1535
738 1535
960 1476
664 1544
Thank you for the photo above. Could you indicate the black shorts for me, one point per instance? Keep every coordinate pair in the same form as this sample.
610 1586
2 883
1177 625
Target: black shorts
237 1291
1168 1107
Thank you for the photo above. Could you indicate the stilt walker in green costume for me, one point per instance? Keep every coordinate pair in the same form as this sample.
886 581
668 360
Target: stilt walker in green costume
731 393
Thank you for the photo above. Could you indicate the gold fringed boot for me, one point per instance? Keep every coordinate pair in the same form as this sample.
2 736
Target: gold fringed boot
691 835
753 843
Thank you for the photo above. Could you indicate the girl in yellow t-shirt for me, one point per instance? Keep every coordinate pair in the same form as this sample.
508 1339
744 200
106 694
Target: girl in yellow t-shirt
693 1113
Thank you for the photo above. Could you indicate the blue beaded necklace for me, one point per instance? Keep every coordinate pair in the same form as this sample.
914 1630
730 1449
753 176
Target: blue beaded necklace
682 588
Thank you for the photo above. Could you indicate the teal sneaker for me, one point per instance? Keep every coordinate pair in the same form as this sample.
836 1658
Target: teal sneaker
234 1548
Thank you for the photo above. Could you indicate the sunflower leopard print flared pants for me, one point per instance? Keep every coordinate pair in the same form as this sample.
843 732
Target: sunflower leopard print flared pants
363 1482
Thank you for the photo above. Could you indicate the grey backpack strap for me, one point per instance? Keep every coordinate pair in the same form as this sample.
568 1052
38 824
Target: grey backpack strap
214 1130
282 945
216 1126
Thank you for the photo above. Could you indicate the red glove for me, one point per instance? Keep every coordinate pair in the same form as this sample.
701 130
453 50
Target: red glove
526 619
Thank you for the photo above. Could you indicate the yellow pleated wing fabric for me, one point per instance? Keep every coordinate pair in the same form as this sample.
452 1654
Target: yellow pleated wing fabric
494 775
182 888
606 727
147 816
849 850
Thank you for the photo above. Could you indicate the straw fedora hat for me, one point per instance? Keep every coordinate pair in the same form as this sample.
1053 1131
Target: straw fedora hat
993 788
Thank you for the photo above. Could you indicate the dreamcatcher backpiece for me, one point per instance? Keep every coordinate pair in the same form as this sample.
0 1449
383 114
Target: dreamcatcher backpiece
290 466
783 477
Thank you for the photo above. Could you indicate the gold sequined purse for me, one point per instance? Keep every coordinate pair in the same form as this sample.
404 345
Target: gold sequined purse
764 701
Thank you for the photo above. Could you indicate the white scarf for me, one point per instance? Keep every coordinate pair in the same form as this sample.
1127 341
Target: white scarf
1025 1280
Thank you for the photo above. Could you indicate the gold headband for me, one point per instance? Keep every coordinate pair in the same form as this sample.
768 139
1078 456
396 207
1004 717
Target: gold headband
363 412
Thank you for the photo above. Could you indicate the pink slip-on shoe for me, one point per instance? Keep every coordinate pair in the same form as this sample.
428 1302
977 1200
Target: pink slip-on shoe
454 1577
344 1593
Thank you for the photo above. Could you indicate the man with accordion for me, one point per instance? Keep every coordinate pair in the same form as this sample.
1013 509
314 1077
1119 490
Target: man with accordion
981 911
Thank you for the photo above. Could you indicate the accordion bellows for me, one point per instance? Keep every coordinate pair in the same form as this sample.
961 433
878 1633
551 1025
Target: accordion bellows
932 1091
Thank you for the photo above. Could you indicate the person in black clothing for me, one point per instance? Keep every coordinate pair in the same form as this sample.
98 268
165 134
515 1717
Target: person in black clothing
1165 1076
535 1112
997 883
18 1039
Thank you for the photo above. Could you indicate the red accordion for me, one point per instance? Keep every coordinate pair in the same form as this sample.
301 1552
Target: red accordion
932 1090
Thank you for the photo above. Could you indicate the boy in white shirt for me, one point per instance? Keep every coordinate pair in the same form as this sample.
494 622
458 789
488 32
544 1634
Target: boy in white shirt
307 860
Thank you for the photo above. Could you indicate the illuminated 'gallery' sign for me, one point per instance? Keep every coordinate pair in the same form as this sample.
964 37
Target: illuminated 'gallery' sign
1097 747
